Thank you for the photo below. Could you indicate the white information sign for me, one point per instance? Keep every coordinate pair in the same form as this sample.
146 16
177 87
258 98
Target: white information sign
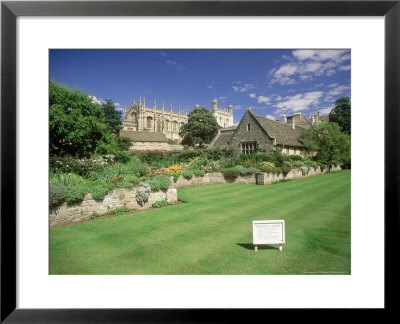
268 232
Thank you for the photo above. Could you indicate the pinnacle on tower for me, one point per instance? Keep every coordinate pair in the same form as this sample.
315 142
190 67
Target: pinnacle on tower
155 104
144 102
162 105
179 109
171 107
140 101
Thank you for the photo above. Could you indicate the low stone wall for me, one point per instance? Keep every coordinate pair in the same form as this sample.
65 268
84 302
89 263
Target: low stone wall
66 215
261 178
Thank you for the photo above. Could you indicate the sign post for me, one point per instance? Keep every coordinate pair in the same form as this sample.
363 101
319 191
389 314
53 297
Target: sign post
268 232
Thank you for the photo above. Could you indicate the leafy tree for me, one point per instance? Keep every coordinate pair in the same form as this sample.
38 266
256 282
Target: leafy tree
341 114
76 123
201 126
112 117
330 144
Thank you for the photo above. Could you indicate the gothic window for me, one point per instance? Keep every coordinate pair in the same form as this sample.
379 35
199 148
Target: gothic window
247 148
167 125
149 122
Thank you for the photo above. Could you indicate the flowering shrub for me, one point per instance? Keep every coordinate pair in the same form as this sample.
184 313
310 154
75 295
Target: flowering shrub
143 193
174 169
83 167
152 156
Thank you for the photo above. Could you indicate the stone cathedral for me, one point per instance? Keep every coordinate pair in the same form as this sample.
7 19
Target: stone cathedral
140 118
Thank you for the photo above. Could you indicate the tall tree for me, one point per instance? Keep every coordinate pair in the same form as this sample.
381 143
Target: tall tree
76 123
331 145
112 117
201 126
341 114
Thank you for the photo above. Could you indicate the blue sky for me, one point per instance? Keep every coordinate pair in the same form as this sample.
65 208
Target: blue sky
271 82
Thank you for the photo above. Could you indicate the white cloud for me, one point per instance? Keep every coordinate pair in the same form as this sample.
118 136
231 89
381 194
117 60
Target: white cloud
270 117
299 102
344 67
310 63
262 99
252 95
243 88
338 90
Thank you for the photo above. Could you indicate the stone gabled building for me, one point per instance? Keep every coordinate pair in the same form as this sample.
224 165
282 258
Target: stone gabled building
146 140
255 131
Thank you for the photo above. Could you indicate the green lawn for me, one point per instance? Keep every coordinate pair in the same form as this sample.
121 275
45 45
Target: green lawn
212 233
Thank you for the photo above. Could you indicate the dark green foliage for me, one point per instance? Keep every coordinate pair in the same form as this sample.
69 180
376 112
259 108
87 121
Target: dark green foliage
152 156
122 157
76 193
187 156
57 194
112 117
187 174
160 182
123 143
286 168
247 171
341 114
119 211
99 190
295 157
187 141
199 173
76 124
332 146
230 174
94 215
201 126
215 154
161 203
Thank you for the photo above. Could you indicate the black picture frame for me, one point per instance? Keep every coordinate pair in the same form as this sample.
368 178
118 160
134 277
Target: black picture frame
10 10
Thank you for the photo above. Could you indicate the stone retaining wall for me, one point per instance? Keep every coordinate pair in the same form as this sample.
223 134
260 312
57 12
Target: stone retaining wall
65 215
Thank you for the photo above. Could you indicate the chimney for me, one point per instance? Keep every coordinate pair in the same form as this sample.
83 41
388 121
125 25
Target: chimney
293 125
284 120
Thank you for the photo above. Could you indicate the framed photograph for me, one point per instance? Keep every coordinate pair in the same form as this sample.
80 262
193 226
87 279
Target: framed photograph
256 67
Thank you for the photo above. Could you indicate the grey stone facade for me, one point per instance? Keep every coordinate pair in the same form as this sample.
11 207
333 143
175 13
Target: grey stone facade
256 132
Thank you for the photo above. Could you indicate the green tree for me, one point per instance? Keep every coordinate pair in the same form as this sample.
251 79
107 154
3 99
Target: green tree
112 117
201 126
341 114
328 142
76 123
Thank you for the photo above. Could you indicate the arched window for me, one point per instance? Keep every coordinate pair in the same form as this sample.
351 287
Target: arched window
149 123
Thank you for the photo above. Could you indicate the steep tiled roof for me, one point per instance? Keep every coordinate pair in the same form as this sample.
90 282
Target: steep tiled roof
284 134
224 135
138 136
